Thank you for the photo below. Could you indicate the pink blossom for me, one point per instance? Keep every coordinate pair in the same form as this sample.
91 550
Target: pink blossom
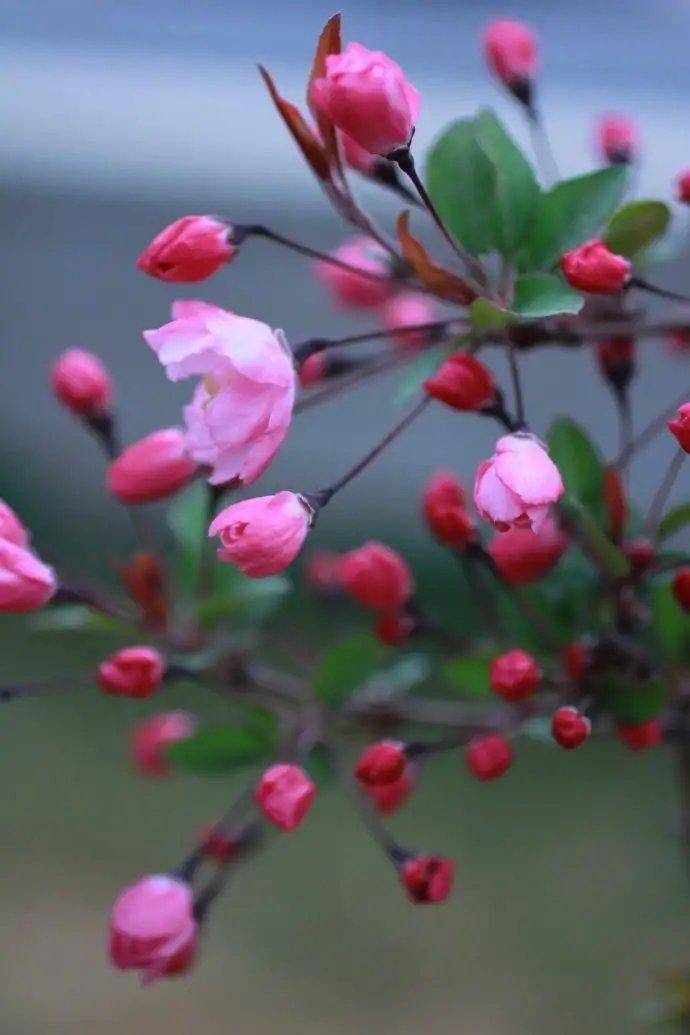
153 468
367 96
240 412
406 310
152 928
285 794
188 250
25 582
617 137
357 157
349 290
81 382
510 48
262 535
517 485
11 527
522 555
150 737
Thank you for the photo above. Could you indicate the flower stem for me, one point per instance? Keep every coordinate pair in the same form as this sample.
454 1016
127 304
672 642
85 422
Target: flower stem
662 493
303 249
542 147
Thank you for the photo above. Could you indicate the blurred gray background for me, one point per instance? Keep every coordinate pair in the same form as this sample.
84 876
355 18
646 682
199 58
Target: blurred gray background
117 117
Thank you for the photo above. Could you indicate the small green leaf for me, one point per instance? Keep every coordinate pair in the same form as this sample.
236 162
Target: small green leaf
671 625
485 316
460 181
631 701
79 618
419 369
673 521
188 520
403 675
580 464
243 599
593 539
570 212
542 294
347 666
470 674
221 750
636 225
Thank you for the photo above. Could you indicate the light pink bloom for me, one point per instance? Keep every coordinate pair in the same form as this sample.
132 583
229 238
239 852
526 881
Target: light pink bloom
241 410
11 527
152 928
150 737
407 310
517 485
81 382
25 582
367 96
262 535
153 468
349 290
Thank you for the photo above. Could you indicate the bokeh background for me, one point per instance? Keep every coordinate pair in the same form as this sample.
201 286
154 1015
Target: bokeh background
116 117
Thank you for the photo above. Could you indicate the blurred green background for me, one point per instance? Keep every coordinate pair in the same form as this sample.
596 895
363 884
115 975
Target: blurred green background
572 892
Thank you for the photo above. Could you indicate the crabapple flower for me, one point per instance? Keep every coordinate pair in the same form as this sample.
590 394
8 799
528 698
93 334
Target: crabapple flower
681 588
510 49
240 412
149 739
642 735
376 577
569 727
514 675
381 763
349 290
26 583
284 795
680 427
461 382
152 928
406 310
367 96
11 528
517 485
593 268
445 511
428 878
522 555
683 187
81 382
188 250
132 672
262 535
617 138
388 797
356 156
488 757
153 468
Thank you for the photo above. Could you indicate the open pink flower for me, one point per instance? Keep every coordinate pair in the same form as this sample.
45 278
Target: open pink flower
25 582
367 96
152 928
262 535
517 485
241 410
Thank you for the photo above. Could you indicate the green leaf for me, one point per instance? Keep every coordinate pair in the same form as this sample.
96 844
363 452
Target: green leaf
79 618
580 464
470 674
347 666
635 225
220 750
188 520
403 675
485 316
572 211
673 521
594 541
632 701
542 294
515 188
243 599
671 625
419 369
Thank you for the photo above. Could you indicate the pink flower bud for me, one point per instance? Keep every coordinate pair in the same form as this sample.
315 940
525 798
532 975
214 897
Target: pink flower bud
285 794
81 382
445 511
218 843
406 310
592 267
683 187
514 675
394 628
312 370
522 555
132 672
680 427
461 382
641 736
510 49
381 763
681 588
152 928
517 485
388 797
616 359
25 582
349 289
569 728
617 138
488 757
577 658
188 250
428 878
376 576
262 535
150 738
11 527
367 96
640 553
153 468
355 156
